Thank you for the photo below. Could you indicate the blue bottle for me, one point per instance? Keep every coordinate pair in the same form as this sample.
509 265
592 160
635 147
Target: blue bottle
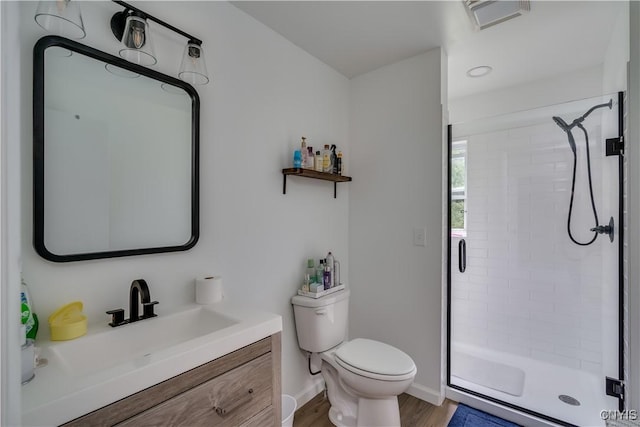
297 159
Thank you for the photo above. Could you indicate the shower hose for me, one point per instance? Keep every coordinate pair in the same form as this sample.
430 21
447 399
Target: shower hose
573 186
572 143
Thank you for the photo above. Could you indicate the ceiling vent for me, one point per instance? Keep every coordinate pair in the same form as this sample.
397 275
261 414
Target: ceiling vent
486 13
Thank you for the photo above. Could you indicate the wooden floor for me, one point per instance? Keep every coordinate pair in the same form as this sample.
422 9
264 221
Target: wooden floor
413 413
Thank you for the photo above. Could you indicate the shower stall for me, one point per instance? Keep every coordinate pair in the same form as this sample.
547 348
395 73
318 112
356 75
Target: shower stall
535 249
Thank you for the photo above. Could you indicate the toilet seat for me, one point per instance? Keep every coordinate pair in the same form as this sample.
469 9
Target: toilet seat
375 360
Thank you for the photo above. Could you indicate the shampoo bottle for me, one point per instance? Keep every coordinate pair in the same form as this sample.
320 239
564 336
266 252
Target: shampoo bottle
310 159
320 272
326 277
329 264
334 160
318 161
304 152
297 159
326 159
311 271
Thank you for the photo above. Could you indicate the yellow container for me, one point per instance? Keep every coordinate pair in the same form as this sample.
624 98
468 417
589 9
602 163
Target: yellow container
68 322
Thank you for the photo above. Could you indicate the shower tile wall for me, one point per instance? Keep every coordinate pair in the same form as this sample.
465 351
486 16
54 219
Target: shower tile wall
527 289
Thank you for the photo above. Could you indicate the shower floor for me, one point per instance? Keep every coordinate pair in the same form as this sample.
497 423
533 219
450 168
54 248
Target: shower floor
543 384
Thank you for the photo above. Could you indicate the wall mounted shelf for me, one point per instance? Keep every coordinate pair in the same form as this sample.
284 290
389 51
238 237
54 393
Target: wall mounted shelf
308 173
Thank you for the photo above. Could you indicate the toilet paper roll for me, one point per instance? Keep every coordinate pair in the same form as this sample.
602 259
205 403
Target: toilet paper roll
209 290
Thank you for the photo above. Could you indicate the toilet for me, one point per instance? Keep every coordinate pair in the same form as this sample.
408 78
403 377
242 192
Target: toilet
363 377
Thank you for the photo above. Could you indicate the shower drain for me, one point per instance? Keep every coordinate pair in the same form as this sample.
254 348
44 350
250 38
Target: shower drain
569 400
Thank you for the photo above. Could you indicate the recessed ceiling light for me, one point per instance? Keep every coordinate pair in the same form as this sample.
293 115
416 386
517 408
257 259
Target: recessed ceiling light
479 71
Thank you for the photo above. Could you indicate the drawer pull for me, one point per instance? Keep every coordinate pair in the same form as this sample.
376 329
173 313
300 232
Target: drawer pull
238 402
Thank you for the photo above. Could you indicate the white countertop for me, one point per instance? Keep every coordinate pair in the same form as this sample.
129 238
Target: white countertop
55 396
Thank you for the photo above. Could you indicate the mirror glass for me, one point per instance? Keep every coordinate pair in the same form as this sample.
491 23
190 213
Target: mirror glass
115 156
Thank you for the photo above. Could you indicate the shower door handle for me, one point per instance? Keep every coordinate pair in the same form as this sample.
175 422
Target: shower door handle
462 255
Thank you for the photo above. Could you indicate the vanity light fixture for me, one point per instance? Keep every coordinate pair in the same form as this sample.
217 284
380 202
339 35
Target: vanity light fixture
136 39
193 68
130 26
62 17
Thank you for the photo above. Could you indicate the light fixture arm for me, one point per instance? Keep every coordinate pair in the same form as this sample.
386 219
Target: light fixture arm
118 28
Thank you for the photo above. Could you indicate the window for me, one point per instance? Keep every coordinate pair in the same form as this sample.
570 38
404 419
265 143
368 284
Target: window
458 187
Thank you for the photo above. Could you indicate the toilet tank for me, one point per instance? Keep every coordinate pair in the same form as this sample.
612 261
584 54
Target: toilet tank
321 323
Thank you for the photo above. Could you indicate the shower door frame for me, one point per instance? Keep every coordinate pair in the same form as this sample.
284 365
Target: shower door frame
619 226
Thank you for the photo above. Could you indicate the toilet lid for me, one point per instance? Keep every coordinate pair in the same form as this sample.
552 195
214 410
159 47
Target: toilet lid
375 357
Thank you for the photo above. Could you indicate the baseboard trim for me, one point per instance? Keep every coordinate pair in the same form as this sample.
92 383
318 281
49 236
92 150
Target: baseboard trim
416 390
309 393
425 393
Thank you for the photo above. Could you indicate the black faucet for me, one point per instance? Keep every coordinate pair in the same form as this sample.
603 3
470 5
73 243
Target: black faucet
138 293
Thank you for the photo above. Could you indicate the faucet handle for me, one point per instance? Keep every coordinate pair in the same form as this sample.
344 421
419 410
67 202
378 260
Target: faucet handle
117 317
147 309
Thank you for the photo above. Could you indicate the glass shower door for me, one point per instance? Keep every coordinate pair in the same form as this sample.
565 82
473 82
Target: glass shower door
533 314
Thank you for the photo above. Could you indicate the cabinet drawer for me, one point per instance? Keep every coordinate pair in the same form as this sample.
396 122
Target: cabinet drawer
227 400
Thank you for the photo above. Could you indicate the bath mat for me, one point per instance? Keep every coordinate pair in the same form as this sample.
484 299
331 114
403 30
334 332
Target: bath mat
494 375
469 417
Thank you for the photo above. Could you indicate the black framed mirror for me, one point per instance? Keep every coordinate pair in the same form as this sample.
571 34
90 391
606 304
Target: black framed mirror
115 156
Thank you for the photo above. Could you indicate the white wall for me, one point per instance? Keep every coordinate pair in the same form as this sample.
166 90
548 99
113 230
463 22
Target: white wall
264 95
396 138
10 215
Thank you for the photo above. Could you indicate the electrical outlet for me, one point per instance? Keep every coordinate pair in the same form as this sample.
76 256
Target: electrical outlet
419 237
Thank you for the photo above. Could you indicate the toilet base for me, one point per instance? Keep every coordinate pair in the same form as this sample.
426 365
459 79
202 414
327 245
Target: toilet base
337 419
348 409
378 412
371 413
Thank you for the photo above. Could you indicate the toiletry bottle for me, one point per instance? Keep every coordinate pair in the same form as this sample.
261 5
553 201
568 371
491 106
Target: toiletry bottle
306 283
326 159
297 159
304 152
318 161
326 277
328 262
339 163
311 271
320 271
336 272
310 159
334 160
29 318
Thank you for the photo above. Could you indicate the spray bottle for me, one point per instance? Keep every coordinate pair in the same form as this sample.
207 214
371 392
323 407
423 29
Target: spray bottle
328 262
29 318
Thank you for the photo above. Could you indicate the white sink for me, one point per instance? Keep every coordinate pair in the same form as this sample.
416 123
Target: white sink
109 364
107 348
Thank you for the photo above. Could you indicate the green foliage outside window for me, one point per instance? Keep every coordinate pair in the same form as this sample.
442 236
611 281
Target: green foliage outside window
458 190
457 214
457 173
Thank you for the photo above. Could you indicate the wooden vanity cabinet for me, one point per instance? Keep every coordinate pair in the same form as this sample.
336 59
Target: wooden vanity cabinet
242 388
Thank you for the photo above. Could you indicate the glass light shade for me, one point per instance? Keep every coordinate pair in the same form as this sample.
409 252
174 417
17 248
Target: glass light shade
61 17
193 68
137 45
